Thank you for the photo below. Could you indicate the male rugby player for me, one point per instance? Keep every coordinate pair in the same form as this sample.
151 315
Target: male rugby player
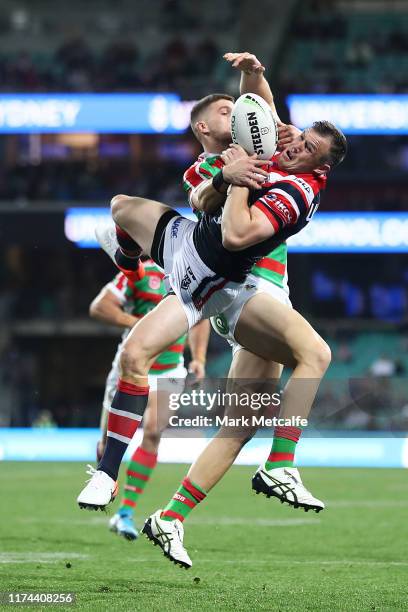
123 302
268 275
208 262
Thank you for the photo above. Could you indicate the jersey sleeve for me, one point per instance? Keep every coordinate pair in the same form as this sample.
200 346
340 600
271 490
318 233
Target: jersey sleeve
288 199
119 287
196 174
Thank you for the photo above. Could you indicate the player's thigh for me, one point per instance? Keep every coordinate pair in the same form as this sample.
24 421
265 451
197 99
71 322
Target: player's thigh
274 331
138 217
248 365
157 330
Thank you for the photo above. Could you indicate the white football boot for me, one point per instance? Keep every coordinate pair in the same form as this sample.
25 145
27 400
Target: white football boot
169 536
99 492
106 236
286 484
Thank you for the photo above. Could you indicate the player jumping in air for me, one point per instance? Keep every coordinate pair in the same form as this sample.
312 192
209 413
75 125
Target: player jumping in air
269 275
208 264
123 302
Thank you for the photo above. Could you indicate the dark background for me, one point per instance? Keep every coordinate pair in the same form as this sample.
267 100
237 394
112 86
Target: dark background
53 358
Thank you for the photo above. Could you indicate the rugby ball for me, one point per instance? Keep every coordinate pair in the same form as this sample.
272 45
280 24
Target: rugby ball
253 126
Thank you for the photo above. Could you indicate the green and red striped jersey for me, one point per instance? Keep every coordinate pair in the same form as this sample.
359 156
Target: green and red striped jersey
140 298
273 267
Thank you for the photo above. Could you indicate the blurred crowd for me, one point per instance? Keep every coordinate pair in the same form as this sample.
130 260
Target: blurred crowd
347 51
326 49
47 338
96 178
165 45
95 181
119 66
33 396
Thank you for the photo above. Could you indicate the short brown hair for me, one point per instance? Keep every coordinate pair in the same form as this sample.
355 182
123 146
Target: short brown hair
204 103
338 147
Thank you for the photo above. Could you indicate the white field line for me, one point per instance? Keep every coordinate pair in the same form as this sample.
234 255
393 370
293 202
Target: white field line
268 562
260 522
92 520
366 503
31 557
39 557
221 520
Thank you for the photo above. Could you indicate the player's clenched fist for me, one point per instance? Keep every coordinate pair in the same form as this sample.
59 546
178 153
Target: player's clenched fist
245 172
246 62
234 151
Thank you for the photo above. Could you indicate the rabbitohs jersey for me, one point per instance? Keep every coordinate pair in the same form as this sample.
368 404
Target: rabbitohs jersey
272 267
140 298
287 200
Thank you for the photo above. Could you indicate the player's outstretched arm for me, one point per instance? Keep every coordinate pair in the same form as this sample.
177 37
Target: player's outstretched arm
242 226
253 81
252 77
106 307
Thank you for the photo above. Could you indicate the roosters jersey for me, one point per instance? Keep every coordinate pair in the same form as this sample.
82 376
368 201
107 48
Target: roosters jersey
287 200
272 267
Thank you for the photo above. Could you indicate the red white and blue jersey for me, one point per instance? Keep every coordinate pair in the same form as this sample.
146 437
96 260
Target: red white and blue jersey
287 200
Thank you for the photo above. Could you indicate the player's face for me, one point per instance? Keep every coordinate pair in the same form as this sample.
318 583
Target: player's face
305 153
218 120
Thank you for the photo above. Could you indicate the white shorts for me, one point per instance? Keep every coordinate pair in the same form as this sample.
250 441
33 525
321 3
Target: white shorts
201 292
175 379
224 324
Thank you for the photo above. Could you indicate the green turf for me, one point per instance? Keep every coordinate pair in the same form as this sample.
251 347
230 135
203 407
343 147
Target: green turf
249 553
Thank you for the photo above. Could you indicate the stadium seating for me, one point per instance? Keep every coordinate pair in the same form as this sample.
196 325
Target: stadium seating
87 52
346 48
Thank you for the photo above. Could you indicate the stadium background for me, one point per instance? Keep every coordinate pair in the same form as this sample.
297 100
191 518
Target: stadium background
59 168
53 358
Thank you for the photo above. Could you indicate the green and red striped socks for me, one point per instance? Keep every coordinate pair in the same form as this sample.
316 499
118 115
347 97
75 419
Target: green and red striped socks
283 447
187 496
138 474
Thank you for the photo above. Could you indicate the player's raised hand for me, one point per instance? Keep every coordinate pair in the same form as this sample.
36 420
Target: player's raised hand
286 135
246 172
246 62
234 151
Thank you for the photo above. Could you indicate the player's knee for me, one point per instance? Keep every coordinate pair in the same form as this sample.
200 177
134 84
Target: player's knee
133 361
236 440
324 355
122 202
118 202
118 206
320 356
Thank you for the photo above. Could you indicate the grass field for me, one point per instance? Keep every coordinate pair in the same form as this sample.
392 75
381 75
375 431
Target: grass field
249 553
